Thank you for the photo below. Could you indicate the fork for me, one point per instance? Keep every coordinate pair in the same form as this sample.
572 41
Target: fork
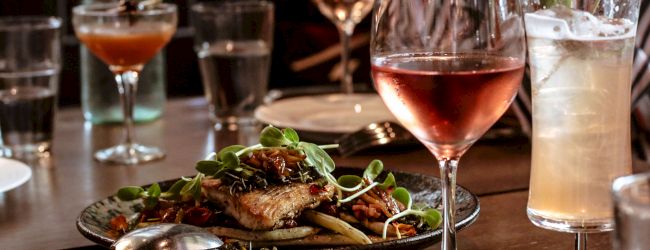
373 135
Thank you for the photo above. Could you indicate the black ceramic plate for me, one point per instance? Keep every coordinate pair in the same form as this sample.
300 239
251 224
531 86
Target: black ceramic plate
93 223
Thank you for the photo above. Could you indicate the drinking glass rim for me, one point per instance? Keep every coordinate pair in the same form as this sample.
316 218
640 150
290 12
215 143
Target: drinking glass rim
18 23
232 6
99 10
622 183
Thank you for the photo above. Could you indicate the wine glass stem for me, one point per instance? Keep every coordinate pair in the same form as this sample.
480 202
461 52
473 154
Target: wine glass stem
127 85
581 241
346 80
448 175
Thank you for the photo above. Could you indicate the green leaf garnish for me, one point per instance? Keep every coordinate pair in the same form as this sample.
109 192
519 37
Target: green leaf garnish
154 190
230 160
272 137
402 195
432 217
208 167
317 157
196 192
174 191
177 186
388 182
150 197
349 181
231 148
373 170
193 188
291 135
130 193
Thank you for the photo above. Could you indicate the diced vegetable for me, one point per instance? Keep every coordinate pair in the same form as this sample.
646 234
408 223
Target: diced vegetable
119 223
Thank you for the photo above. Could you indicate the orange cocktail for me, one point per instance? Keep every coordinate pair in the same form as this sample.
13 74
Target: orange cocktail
126 47
126 35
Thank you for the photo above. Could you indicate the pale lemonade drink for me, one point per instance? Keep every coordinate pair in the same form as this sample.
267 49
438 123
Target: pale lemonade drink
580 75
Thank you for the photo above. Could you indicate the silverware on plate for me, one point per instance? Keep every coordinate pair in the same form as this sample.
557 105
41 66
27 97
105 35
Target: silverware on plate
168 236
384 133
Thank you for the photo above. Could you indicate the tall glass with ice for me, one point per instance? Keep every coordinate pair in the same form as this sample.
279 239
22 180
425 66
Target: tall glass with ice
580 56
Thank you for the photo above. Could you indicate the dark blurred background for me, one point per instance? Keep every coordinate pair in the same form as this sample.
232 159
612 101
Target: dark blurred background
301 32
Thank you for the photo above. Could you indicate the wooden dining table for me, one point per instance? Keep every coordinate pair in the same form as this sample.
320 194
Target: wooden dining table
41 213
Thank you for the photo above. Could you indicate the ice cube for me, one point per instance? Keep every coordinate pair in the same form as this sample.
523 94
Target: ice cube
584 24
547 26
615 27
560 23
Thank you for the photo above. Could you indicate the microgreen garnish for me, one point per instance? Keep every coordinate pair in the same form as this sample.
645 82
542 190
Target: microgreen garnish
430 216
291 135
227 163
349 181
149 196
372 171
153 193
231 148
184 187
174 191
130 193
389 182
193 187
274 137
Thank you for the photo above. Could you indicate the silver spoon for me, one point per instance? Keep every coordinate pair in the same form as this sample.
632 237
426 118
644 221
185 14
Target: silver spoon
168 236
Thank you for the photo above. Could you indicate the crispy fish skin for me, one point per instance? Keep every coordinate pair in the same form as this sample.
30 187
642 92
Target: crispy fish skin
266 209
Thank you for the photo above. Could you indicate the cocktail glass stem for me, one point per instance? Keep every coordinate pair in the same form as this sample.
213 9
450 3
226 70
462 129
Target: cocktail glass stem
448 175
345 32
129 152
127 85
581 241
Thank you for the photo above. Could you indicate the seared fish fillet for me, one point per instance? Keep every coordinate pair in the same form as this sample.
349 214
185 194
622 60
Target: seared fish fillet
266 209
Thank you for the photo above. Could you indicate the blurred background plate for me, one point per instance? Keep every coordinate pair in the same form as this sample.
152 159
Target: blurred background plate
13 174
331 113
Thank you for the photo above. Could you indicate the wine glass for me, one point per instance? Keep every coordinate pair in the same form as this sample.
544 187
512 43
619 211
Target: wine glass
581 56
447 69
125 36
345 14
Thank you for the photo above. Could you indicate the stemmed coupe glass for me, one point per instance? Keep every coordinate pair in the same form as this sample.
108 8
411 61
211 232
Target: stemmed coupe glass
126 35
447 69
345 14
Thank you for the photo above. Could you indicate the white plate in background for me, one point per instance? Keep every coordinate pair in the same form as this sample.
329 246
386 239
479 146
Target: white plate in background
13 174
332 113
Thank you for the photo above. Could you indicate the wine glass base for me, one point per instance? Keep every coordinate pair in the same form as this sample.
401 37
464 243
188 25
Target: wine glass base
129 154
570 226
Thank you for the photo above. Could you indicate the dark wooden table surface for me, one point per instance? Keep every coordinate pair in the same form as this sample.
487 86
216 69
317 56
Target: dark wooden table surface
41 213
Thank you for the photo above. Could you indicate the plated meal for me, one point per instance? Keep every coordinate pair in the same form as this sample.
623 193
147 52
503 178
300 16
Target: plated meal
282 192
